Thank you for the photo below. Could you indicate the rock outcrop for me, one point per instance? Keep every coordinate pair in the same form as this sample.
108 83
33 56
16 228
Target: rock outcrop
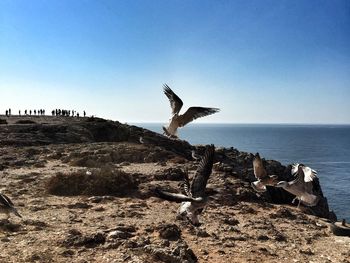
85 190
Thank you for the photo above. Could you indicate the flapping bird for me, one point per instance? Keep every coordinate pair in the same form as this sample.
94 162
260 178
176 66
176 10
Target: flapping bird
261 174
178 120
301 186
7 207
195 197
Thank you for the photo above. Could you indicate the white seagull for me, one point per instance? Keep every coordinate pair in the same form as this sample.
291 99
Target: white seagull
261 174
195 199
7 207
301 186
177 120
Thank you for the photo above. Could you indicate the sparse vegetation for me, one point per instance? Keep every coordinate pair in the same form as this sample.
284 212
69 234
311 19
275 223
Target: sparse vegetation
25 122
104 181
2 121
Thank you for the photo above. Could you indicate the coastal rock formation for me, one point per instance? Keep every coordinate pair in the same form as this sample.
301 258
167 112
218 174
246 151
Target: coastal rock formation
85 190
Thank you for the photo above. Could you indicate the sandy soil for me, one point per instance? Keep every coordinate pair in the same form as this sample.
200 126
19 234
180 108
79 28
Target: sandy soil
237 225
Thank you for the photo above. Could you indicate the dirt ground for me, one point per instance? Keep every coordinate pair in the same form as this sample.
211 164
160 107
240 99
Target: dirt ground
237 225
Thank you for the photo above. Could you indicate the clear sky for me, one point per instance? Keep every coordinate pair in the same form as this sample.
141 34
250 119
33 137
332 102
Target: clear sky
259 61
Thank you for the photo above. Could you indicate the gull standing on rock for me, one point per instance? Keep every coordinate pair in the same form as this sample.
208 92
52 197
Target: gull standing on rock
261 174
301 186
177 120
195 199
7 207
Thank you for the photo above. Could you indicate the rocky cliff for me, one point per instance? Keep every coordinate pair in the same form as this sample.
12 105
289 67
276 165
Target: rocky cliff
85 190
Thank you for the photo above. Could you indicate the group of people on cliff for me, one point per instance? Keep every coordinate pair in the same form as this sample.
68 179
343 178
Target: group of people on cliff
67 113
26 112
41 112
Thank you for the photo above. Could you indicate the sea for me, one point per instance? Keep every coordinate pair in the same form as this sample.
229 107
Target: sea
325 148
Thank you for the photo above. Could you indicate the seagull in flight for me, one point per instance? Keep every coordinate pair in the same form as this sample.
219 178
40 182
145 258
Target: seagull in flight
261 175
7 207
195 197
301 186
178 120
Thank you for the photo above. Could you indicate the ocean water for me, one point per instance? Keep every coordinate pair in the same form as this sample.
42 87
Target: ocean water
325 148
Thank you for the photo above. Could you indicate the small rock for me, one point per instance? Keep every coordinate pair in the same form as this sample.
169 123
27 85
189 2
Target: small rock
169 231
231 221
307 251
68 253
280 237
119 234
99 209
79 205
202 233
5 239
165 243
263 238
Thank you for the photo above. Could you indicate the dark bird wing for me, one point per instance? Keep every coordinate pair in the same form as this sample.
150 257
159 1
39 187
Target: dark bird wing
178 198
195 112
259 170
186 184
175 102
203 172
6 201
307 173
299 176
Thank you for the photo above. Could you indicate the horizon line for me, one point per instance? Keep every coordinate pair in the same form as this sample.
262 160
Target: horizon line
246 123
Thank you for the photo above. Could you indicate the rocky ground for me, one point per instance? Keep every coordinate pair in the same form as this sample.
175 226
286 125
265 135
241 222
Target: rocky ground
85 190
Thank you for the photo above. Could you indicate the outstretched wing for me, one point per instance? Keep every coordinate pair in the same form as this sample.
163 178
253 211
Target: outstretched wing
309 174
306 173
6 201
178 198
259 170
195 112
175 102
203 172
294 169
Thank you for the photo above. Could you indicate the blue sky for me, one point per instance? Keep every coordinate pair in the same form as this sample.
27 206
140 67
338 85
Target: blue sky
259 61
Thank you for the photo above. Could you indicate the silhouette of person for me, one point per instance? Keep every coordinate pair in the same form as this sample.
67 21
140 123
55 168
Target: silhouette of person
25 112
7 113
77 114
35 112
19 112
84 114
30 112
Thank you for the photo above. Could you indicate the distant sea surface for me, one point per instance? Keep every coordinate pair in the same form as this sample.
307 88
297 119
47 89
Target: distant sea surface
325 148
